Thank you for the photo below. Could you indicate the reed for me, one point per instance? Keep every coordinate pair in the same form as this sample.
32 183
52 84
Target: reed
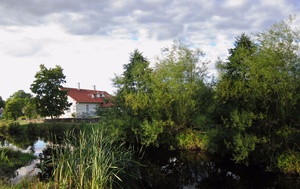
91 160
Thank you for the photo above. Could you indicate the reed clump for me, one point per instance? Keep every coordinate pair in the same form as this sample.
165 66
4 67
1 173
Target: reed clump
91 160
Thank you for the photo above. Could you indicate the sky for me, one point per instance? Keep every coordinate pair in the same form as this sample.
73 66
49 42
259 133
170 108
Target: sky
92 39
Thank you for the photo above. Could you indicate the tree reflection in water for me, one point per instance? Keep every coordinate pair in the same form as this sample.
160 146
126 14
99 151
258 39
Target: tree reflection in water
162 169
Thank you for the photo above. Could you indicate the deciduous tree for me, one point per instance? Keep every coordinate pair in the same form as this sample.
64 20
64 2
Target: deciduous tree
49 99
180 90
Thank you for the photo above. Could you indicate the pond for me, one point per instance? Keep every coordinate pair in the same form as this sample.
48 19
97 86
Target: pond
30 170
166 169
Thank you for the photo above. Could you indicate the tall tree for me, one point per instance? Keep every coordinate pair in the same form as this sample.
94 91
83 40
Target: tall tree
276 80
49 99
133 95
180 90
259 94
235 95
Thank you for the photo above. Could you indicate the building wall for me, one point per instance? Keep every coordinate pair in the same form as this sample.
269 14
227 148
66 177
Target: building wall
72 109
79 110
85 110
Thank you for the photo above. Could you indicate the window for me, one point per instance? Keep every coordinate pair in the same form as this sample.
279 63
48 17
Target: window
87 108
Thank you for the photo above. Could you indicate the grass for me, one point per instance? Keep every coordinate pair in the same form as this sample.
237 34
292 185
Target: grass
94 160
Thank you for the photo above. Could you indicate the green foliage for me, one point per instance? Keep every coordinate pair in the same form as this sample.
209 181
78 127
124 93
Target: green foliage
154 104
11 160
94 161
133 106
181 93
30 109
50 99
289 162
3 156
192 140
15 105
250 114
150 132
259 95
13 109
242 146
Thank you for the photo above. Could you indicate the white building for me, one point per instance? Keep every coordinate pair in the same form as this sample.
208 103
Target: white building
85 101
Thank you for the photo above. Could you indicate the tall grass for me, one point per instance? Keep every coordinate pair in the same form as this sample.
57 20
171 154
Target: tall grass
91 160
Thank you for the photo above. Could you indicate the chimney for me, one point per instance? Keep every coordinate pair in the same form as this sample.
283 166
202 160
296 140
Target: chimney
94 87
78 86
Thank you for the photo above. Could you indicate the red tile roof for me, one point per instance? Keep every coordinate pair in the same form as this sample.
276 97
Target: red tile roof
89 96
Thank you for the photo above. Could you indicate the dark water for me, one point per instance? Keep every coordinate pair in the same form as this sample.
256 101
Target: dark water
165 169
193 170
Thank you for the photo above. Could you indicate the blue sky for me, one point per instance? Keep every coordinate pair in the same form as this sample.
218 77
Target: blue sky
92 39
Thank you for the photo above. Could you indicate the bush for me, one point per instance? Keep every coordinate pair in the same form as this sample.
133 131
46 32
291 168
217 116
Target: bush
192 139
289 162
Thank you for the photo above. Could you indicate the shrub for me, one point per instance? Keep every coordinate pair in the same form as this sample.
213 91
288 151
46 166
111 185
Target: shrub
289 162
191 139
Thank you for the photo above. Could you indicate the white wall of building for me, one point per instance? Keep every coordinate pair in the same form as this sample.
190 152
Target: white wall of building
85 110
80 110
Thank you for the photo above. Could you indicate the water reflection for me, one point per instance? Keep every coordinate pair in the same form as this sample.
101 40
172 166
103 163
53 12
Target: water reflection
192 170
162 169
30 170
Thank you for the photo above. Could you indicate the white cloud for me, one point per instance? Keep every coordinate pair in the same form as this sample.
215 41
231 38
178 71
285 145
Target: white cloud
92 39
235 4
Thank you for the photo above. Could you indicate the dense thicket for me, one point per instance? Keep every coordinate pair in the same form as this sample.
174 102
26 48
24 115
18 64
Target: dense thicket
259 98
160 105
251 114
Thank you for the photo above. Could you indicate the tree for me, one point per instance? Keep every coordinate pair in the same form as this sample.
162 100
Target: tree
30 108
156 104
13 109
132 101
181 91
2 103
49 99
15 104
235 100
276 80
258 94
